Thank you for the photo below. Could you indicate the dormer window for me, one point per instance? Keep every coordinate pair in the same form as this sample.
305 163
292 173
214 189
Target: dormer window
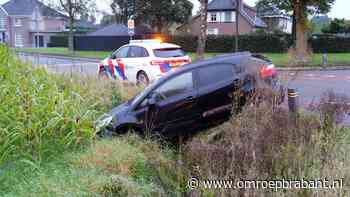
18 22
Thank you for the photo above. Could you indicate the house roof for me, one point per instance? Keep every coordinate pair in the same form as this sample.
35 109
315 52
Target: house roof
221 5
27 7
117 29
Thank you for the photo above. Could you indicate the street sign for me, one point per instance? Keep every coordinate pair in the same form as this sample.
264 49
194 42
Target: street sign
131 24
131 27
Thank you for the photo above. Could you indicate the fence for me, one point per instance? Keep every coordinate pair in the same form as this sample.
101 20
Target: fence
101 43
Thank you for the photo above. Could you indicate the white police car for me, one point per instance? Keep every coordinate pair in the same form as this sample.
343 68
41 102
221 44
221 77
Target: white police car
143 61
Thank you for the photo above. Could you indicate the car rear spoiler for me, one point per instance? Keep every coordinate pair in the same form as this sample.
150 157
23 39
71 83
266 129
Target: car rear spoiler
261 56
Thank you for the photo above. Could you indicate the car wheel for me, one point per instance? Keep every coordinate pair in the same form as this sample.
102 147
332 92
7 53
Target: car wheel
142 79
103 75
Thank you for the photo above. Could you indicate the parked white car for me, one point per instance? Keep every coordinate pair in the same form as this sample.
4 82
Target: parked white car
143 61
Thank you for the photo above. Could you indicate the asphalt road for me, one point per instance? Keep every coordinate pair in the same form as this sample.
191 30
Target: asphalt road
309 84
62 65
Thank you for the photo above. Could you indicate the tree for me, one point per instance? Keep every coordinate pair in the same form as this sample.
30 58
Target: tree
75 9
337 26
123 9
158 14
203 28
300 10
107 19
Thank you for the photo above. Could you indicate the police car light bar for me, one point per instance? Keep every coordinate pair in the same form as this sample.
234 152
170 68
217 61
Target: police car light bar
146 41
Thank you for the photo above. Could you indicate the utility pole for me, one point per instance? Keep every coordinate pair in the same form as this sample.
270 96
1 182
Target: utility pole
237 25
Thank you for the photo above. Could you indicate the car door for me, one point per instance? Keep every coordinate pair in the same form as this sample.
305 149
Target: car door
216 88
138 59
177 107
119 61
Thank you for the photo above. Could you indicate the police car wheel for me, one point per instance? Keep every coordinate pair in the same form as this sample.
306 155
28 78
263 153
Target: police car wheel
103 75
142 79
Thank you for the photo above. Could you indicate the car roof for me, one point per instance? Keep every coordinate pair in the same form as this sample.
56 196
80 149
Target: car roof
155 45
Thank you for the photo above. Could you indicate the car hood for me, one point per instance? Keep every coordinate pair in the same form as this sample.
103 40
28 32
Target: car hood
105 61
120 110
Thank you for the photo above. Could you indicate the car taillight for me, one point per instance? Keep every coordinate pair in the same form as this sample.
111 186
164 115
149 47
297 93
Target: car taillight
268 71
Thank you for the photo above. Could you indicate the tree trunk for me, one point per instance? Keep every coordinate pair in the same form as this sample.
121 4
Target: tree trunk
293 30
301 45
203 29
71 34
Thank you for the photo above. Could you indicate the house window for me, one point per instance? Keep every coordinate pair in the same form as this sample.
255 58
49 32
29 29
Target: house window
213 17
18 22
18 40
212 31
2 23
228 16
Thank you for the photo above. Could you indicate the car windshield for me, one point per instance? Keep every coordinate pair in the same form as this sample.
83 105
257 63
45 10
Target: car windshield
169 52
136 98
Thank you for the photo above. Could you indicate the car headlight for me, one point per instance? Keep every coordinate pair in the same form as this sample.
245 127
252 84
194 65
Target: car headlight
103 122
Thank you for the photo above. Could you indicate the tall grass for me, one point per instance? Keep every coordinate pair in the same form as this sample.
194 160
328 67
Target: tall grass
267 143
42 114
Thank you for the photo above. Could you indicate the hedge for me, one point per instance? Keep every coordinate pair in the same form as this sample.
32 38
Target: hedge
254 43
58 41
330 44
257 43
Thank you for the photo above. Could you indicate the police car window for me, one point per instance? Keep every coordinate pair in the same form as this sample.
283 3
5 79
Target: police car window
122 53
169 52
215 74
137 52
176 86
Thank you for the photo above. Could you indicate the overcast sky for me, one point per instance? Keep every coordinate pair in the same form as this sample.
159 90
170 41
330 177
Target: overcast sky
340 8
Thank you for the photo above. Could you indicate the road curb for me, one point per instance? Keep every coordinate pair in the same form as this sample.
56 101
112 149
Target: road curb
58 56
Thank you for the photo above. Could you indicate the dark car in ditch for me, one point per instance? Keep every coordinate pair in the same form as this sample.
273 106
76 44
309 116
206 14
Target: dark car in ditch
194 95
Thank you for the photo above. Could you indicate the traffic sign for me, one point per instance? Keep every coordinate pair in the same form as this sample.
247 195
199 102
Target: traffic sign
131 24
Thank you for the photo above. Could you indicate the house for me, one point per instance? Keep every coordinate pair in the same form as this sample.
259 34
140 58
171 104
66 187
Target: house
221 19
276 20
117 29
29 23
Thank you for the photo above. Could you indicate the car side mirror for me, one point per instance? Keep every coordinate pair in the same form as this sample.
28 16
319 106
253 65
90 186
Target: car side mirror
152 100
113 56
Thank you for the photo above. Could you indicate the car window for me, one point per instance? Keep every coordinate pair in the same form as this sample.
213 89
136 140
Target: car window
136 51
176 86
215 74
122 52
169 52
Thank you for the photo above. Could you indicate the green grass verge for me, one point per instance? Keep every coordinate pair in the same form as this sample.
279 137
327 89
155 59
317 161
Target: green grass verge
125 166
279 59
